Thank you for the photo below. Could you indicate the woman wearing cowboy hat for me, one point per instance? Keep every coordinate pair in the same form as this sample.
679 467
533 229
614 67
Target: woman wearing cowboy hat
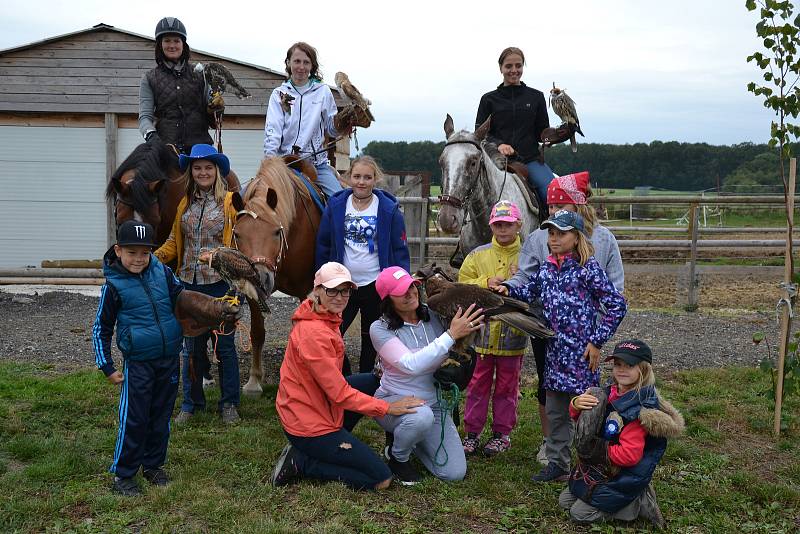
173 98
204 220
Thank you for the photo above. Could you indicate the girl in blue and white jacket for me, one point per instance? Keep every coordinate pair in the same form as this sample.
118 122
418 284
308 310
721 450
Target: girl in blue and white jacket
573 289
300 113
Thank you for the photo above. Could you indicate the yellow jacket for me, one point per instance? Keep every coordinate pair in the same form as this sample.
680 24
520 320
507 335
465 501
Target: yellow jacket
172 249
481 264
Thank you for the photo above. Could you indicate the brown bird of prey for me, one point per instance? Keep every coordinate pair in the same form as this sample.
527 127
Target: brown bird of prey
355 96
446 296
218 78
240 274
564 107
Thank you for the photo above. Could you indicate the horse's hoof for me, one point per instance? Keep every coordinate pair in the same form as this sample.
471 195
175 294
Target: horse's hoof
252 389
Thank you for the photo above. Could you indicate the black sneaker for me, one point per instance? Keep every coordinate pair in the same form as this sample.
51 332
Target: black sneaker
551 473
156 477
286 470
127 487
404 472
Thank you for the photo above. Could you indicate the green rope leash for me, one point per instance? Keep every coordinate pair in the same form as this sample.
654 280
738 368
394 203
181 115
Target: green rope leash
446 406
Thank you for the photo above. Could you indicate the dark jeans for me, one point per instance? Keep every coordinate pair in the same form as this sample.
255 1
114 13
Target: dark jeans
194 398
539 352
145 406
365 300
340 455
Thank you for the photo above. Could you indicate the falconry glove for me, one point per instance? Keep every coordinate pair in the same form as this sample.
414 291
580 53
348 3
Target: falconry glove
198 312
351 116
553 136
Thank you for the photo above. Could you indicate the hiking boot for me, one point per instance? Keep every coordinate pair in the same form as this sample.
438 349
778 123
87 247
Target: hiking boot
648 507
286 470
499 443
471 443
404 472
183 417
387 450
127 487
541 455
229 414
156 477
551 473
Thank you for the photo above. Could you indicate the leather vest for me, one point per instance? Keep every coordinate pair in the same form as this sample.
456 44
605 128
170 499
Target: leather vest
180 106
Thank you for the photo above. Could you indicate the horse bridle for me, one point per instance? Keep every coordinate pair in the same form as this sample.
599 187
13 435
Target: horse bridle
283 247
457 203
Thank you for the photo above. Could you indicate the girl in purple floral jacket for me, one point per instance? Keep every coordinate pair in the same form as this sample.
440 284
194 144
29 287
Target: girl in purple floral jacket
584 309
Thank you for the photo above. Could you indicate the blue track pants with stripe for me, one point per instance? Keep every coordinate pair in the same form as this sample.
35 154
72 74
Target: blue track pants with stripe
145 407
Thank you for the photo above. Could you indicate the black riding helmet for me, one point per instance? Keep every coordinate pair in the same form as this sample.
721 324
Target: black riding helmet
170 25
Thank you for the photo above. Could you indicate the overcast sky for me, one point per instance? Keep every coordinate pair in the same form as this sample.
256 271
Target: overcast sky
637 70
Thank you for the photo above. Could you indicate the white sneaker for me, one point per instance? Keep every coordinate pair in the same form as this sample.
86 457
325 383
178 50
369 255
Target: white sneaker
541 456
208 382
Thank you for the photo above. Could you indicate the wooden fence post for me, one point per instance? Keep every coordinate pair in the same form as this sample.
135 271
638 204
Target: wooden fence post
787 297
112 134
694 223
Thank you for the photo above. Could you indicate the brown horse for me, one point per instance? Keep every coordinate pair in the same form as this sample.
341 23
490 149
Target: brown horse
147 187
276 227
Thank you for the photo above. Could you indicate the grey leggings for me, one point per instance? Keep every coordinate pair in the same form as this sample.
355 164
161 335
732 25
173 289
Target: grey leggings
421 433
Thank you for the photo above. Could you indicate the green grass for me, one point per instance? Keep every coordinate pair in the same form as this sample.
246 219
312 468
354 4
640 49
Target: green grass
57 435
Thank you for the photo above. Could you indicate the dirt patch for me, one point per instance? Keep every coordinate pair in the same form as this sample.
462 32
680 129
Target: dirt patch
54 330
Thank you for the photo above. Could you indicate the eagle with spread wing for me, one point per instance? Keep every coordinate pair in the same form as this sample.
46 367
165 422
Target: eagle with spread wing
240 273
564 107
444 296
218 78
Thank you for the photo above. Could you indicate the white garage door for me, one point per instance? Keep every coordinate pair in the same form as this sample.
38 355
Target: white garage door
52 181
52 184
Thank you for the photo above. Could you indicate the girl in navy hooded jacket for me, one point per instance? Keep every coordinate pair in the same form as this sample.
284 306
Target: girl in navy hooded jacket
363 229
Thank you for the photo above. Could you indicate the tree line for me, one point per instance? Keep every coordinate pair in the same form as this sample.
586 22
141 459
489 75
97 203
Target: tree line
672 165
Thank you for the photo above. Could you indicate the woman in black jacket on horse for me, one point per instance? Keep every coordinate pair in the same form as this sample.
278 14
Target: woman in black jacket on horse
519 114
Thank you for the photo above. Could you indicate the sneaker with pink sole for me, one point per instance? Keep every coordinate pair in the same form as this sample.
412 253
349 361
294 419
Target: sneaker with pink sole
499 443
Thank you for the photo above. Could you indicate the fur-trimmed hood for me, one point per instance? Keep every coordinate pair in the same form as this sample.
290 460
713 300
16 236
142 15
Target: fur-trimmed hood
662 422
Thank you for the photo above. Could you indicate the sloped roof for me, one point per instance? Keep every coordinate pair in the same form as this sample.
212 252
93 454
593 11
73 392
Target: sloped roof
99 69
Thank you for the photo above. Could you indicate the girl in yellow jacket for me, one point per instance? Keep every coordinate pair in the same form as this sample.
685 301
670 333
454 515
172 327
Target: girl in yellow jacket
204 220
501 347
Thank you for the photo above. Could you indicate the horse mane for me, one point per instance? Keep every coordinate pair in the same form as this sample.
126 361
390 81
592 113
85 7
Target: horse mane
149 160
273 173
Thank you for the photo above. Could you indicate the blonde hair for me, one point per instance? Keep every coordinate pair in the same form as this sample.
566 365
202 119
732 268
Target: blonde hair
366 160
588 213
583 248
219 189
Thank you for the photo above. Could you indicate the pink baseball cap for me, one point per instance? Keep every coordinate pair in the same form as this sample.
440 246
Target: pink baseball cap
505 210
332 274
394 281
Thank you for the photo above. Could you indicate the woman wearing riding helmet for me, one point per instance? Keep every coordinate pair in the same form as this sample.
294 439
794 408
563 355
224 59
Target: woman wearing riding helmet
173 98
519 114
301 112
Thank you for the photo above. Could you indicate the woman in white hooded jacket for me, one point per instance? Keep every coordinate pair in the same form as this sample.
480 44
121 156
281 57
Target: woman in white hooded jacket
300 113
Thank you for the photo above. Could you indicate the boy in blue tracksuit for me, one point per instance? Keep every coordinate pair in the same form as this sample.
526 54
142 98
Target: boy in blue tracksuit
139 297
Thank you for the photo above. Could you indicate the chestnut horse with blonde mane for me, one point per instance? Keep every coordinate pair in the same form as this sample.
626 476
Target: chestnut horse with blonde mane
276 227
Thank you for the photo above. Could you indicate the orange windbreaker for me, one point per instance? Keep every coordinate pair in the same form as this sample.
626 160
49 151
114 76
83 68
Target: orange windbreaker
313 394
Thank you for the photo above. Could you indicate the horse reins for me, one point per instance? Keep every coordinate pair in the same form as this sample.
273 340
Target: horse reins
283 247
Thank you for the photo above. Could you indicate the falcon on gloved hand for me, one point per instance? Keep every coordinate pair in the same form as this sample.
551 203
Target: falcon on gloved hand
354 95
564 107
240 273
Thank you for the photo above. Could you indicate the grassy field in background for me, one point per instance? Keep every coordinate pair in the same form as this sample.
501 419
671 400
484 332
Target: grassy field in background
57 433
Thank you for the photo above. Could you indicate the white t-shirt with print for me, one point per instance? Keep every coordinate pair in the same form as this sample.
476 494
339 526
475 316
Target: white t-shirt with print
360 230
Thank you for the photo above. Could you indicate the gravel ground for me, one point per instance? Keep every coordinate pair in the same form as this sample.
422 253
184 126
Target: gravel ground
54 330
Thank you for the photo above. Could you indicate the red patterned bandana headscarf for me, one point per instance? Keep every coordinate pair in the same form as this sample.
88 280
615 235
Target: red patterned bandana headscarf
568 189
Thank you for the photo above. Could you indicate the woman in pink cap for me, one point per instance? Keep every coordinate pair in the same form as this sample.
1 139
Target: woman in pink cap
317 406
412 344
500 347
570 192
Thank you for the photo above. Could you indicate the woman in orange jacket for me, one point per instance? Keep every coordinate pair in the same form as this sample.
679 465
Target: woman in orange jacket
317 406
